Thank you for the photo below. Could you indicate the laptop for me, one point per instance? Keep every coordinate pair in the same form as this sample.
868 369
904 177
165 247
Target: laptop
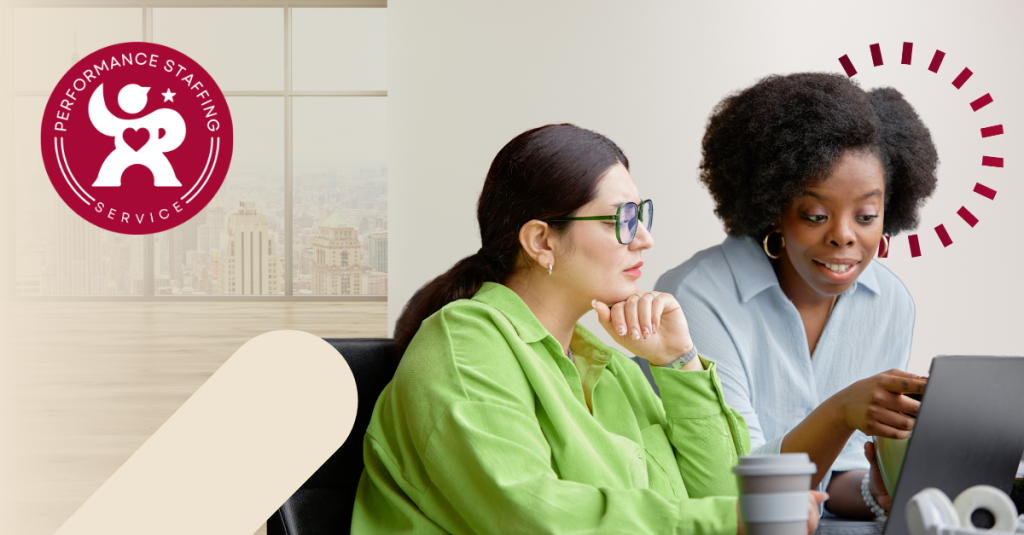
969 431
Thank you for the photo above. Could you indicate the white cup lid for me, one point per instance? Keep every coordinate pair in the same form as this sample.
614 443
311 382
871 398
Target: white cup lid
784 464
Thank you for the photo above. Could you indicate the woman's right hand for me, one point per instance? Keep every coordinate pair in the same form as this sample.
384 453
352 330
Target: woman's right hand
876 406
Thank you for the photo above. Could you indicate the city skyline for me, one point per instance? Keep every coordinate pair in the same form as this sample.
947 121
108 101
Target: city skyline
52 258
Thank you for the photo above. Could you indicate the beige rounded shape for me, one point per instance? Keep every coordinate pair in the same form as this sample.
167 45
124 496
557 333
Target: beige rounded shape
237 449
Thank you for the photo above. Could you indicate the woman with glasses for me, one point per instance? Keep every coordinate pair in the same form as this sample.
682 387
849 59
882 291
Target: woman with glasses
810 174
507 416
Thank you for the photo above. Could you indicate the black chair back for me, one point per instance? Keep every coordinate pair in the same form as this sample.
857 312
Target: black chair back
323 505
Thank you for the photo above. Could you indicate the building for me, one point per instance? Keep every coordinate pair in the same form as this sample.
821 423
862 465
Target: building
376 283
137 269
378 251
213 285
337 266
214 224
301 286
189 234
175 254
304 221
78 263
249 259
120 268
203 239
305 264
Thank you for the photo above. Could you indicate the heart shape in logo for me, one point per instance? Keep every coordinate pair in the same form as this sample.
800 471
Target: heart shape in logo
136 138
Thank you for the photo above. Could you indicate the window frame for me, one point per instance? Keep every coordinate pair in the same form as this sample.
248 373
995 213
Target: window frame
8 269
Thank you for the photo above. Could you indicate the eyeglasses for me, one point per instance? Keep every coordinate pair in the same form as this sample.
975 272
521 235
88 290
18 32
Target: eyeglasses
625 219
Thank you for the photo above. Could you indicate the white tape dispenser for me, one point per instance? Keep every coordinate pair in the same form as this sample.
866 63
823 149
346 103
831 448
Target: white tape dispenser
979 508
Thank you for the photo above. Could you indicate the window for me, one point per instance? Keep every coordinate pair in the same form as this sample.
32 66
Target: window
307 89
55 251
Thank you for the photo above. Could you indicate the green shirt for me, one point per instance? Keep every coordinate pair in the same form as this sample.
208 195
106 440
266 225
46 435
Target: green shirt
487 427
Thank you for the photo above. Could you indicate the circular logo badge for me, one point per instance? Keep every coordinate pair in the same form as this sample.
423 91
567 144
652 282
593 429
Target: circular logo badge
137 138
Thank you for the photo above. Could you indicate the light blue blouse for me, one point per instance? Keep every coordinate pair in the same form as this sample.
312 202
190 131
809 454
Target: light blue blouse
740 318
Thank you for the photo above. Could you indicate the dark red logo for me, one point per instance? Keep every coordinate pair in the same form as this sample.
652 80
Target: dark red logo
137 138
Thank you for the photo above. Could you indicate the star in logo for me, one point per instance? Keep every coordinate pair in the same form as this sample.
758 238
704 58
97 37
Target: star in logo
168 95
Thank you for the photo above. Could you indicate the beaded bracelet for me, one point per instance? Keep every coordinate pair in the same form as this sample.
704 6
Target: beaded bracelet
869 499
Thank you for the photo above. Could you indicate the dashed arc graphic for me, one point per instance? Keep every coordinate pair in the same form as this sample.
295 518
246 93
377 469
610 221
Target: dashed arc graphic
986 132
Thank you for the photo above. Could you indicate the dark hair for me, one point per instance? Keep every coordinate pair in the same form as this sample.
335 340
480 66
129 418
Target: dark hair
909 158
765 144
543 173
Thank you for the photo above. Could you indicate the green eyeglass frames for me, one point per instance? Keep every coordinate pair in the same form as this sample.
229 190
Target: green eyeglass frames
625 217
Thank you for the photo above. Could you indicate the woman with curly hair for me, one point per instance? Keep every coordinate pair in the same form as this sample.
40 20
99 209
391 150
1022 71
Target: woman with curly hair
809 173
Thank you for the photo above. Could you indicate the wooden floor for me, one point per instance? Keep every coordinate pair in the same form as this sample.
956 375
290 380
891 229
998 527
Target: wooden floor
83 385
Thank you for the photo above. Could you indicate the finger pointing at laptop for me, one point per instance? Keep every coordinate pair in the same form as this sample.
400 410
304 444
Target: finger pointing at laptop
876 406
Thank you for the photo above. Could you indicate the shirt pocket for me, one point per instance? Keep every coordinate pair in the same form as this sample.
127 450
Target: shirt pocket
662 470
634 459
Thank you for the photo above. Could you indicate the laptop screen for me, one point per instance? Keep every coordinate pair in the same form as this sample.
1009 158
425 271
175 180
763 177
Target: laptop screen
970 431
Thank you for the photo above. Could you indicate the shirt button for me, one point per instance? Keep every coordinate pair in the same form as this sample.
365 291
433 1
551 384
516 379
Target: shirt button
639 454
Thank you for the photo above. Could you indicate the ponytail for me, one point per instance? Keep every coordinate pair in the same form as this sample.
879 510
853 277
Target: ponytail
462 281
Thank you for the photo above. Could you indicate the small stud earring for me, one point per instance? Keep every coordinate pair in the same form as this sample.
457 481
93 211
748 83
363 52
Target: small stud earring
550 267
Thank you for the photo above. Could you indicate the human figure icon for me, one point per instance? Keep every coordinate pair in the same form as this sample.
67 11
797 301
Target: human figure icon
142 140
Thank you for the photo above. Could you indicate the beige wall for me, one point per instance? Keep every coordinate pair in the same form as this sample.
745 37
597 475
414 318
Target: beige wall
465 77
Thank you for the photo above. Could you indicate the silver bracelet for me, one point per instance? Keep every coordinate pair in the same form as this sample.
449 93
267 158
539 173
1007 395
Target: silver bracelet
683 360
869 500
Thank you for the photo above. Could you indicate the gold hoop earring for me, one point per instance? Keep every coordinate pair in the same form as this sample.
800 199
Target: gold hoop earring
764 244
550 267
885 240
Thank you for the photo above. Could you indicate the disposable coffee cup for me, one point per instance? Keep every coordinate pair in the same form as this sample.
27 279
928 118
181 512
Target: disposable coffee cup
774 493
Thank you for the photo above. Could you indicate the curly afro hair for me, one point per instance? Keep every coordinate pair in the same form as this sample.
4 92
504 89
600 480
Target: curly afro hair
764 145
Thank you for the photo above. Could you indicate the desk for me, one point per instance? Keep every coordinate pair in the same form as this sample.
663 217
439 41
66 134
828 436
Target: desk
835 526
